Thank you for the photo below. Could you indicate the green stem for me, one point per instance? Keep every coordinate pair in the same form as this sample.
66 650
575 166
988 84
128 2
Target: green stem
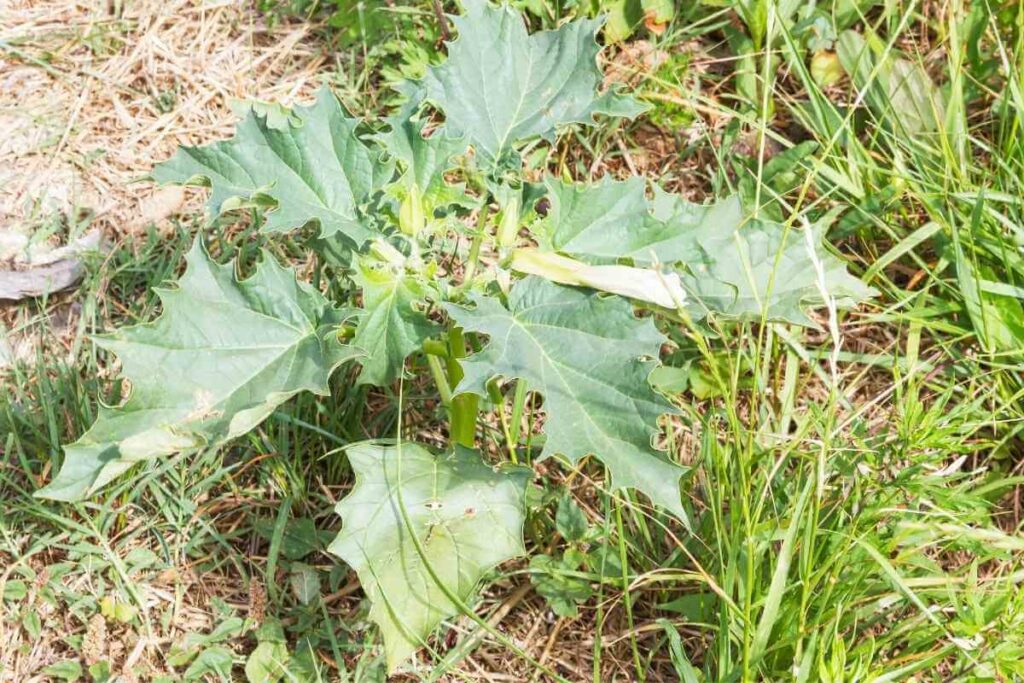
512 426
627 599
478 240
464 407
518 403
437 372
510 441
435 347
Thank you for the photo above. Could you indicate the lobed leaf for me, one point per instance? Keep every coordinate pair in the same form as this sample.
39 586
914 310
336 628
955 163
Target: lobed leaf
222 356
584 353
422 529
423 162
731 265
315 170
501 85
391 326
614 219
765 270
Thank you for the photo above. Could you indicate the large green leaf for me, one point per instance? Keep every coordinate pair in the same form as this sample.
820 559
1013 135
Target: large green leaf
586 355
224 354
317 170
763 270
420 529
731 265
501 85
392 325
614 219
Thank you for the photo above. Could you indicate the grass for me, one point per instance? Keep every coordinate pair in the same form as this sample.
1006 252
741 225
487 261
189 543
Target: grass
855 490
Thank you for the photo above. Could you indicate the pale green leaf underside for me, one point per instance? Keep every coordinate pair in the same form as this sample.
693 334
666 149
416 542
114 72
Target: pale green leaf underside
222 356
317 171
391 325
466 518
501 85
584 354
731 265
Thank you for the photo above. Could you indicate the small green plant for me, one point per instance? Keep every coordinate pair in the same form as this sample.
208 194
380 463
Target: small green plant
623 17
498 295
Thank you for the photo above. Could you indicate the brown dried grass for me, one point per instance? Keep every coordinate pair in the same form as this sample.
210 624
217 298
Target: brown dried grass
91 98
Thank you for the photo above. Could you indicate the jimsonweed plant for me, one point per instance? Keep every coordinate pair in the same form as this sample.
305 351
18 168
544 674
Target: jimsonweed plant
502 289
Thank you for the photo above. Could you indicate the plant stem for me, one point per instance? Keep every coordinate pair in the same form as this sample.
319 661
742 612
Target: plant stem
518 402
437 372
478 240
510 440
513 426
627 599
464 407
435 347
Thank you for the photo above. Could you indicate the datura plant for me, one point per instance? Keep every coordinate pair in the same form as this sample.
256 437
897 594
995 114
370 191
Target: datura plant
501 289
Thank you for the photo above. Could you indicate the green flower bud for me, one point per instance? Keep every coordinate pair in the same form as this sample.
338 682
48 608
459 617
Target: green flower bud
412 215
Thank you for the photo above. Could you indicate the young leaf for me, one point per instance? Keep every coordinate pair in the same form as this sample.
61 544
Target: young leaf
423 162
420 529
558 581
501 85
583 353
570 520
391 326
317 171
305 582
216 661
268 663
224 354
68 670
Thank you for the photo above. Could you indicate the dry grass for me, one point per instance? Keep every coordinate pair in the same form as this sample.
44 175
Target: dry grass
183 594
90 99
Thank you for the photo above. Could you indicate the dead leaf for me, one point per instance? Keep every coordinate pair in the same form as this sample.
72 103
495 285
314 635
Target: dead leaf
653 25
158 207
